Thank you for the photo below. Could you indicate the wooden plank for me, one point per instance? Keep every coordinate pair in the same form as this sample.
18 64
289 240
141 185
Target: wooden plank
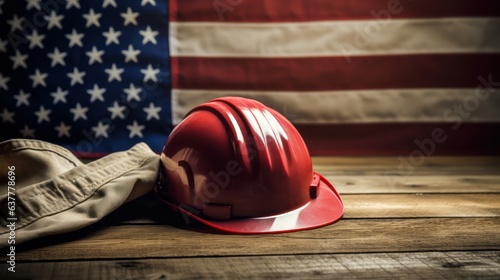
357 206
395 173
416 184
428 161
148 210
420 206
424 265
345 236
403 166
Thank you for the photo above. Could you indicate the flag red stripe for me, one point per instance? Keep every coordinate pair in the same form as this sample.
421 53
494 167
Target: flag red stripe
310 10
402 139
334 73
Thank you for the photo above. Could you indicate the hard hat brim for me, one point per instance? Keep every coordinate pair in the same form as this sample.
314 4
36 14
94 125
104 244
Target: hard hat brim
325 209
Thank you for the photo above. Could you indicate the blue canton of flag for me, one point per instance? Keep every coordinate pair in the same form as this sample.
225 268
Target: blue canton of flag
93 76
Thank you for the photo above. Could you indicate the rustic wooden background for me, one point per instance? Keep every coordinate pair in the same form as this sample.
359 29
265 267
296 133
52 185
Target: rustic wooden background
437 219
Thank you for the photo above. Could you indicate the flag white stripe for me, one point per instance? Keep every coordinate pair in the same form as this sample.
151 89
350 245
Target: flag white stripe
336 38
361 106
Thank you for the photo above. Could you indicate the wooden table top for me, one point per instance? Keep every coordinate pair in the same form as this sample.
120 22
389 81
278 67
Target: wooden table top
437 218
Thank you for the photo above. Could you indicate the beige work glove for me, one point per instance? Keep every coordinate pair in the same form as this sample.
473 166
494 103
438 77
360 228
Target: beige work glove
56 193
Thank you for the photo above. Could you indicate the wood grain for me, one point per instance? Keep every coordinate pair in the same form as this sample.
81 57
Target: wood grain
421 205
429 161
402 166
422 265
416 184
357 206
346 236
439 218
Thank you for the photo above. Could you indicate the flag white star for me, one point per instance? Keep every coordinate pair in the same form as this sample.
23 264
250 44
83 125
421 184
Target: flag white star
101 130
57 57
114 73
35 39
144 2
135 129
16 23
152 111
94 55
72 3
112 36
43 114
27 132
33 4
109 2
19 60
63 130
133 92
4 81
96 93
117 111
59 95
92 18
150 73
3 45
129 17
54 20
131 54
148 35
22 98
7 116
76 76
79 112
38 78
75 38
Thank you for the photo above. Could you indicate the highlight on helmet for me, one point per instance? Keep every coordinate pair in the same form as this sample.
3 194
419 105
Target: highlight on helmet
241 167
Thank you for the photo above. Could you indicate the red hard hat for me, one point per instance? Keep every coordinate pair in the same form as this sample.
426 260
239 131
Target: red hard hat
241 167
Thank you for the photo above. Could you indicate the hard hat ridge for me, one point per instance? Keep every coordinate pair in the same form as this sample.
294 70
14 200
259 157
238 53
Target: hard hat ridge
258 141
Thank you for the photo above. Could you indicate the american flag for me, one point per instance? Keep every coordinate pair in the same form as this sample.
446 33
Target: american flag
358 77
93 76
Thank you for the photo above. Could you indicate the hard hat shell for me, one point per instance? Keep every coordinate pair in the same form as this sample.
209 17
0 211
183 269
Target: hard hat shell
239 166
